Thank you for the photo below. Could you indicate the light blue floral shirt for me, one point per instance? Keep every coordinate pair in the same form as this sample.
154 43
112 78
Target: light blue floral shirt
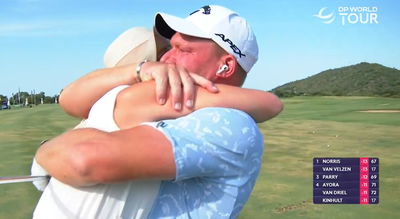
218 156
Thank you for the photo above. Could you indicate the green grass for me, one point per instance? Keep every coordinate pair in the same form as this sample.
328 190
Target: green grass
21 131
308 127
325 127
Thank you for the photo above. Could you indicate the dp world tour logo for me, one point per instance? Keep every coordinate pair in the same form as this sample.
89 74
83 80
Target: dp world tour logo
327 18
349 15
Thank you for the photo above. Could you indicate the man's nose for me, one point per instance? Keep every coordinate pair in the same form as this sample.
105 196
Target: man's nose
168 57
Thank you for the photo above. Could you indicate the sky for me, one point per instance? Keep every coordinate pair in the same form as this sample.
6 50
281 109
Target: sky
47 44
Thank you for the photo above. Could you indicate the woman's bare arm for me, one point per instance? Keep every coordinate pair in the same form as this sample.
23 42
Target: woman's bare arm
136 104
78 97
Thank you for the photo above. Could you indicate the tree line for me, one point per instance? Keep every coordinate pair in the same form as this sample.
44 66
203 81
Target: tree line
25 98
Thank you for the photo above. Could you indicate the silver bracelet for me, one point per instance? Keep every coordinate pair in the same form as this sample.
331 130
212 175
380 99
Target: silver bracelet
139 68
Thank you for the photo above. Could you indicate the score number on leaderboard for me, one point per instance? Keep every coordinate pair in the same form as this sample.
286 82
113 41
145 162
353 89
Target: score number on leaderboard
346 180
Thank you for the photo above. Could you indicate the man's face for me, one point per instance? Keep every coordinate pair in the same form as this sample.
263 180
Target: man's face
197 55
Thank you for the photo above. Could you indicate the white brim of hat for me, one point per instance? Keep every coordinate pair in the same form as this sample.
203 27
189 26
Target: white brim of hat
166 23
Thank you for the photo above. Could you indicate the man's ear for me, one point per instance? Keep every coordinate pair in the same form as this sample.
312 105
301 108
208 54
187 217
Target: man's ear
228 68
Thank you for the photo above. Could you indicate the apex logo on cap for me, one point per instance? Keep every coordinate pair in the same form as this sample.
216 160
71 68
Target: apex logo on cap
233 46
206 10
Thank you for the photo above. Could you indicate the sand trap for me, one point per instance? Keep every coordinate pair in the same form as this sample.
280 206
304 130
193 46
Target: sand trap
380 111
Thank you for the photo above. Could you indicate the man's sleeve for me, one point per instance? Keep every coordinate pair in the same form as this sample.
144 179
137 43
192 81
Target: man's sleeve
214 142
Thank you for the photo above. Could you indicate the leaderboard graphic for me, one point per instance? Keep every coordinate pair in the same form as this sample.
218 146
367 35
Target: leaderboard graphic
346 180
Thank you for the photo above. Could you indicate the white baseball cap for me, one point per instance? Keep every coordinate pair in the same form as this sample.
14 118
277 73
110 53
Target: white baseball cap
223 26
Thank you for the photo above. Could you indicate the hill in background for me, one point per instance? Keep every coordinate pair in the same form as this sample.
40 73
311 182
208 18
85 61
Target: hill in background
363 79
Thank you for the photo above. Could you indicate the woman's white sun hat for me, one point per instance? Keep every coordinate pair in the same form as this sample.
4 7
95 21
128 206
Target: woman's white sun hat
135 45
